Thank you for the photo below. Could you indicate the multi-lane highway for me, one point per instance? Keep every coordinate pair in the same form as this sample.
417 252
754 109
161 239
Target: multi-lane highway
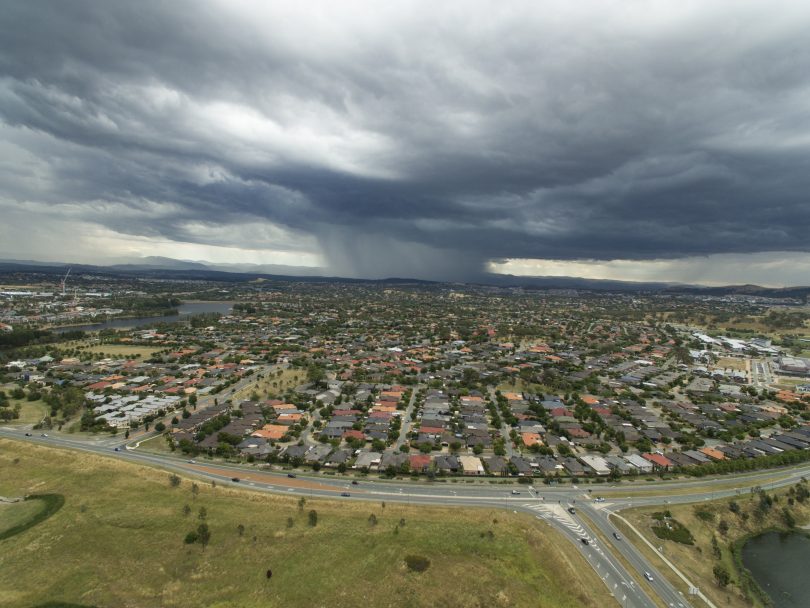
558 506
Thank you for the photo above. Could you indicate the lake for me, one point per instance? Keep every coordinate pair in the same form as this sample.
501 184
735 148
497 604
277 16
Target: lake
779 564
184 310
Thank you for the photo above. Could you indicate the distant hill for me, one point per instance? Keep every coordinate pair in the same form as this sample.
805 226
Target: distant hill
799 292
193 272
509 280
157 267
156 262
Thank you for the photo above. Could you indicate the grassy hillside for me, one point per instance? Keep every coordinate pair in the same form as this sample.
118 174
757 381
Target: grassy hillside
729 522
119 541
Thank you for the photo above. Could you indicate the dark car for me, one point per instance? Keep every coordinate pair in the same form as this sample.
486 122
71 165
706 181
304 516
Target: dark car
291 475
584 541
617 536
345 494
235 479
354 482
572 510
28 435
117 449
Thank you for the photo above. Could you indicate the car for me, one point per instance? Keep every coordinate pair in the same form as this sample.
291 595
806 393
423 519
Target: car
44 435
648 576
345 494
192 461
354 482
28 435
117 449
235 479
617 536
599 499
515 493
572 510
584 541
291 475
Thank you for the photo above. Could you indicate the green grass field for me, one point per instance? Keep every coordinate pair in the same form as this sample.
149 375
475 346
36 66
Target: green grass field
16 513
23 516
31 412
118 541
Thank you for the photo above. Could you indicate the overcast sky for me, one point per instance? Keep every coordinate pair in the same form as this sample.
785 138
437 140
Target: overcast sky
634 140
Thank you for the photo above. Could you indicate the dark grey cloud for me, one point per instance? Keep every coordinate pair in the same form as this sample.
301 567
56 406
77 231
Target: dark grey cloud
408 139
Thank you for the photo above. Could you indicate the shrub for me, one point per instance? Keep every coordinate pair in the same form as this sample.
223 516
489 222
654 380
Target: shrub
704 515
721 575
417 563
671 529
788 518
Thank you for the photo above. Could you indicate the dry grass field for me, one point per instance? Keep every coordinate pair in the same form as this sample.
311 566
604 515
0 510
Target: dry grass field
703 520
119 541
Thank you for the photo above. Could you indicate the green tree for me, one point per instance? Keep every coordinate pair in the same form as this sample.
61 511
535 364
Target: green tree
316 374
721 575
312 518
204 534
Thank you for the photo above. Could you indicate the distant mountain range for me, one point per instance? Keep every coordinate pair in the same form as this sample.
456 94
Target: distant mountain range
161 263
183 269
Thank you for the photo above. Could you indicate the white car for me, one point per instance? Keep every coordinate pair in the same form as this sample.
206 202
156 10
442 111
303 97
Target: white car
648 576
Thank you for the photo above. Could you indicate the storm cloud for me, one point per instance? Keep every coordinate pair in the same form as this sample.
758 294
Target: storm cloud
421 139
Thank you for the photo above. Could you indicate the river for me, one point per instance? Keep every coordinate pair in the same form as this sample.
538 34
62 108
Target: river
184 310
779 564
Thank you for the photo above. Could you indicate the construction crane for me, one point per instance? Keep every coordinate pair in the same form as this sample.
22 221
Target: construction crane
64 281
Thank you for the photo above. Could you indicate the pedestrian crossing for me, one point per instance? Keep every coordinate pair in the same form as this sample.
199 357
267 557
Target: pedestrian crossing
558 514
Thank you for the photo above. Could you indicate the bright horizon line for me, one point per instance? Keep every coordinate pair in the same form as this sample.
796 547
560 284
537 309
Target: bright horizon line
553 269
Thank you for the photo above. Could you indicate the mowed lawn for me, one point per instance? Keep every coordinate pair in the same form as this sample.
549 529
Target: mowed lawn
118 541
